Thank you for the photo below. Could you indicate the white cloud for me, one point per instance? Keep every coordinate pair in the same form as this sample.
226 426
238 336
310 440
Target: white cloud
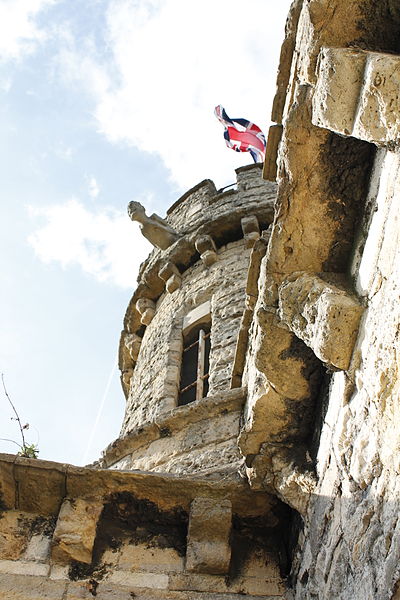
104 243
19 34
93 187
172 62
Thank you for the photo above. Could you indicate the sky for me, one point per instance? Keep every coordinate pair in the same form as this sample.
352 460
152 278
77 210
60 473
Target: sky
103 102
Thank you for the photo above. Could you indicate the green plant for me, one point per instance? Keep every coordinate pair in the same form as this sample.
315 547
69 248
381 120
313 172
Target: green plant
26 450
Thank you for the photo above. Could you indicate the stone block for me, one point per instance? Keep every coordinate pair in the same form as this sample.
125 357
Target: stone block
20 587
208 549
271 152
251 230
7 483
209 257
13 536
75 531
205 242
173 283
165 405
217 586
147 309
323 23
378 114
58 572
338 87
170 274
19 567
157 581
41 485
126 377
141 557
132 343
283 369
198 583
207 249
325 317
285 62
200 314
266 419
356 94
38 548
167 270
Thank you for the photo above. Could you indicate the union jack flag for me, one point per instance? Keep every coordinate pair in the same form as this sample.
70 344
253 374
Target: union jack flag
242 135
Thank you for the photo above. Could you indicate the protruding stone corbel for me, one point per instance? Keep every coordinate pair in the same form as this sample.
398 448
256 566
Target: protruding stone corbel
132 343
286 470
170 274
126 377
147 309
325 317
207 249
355 94
251 230
75 531
208 548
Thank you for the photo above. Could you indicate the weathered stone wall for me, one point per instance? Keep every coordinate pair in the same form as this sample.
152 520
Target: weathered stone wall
155 383
350 544
199 439
328 303
315 323
68 533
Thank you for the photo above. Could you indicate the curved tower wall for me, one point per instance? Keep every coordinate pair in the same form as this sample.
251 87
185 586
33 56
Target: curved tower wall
155 384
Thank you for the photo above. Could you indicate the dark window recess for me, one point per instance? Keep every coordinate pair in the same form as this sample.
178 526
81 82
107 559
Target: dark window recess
195 365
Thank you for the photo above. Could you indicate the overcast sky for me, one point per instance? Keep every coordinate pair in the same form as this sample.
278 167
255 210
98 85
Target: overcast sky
103 102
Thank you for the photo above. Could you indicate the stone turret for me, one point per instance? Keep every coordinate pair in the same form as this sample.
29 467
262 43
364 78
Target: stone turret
178 346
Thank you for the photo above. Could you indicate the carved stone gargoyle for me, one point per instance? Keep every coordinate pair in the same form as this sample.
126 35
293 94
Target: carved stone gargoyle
154 228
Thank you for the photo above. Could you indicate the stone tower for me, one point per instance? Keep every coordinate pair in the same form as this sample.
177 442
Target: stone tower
178 350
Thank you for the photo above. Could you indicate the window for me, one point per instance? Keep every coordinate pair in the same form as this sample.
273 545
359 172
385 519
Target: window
195 364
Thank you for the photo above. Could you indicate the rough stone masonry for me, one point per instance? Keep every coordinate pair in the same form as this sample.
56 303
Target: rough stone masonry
282 482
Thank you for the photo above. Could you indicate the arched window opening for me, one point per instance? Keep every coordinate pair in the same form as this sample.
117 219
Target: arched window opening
195 364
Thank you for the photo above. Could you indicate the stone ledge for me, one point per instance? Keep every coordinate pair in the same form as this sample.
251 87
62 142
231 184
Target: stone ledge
173 421
165 490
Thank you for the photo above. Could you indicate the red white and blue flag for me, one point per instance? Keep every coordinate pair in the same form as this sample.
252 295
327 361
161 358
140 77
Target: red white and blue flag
242 135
